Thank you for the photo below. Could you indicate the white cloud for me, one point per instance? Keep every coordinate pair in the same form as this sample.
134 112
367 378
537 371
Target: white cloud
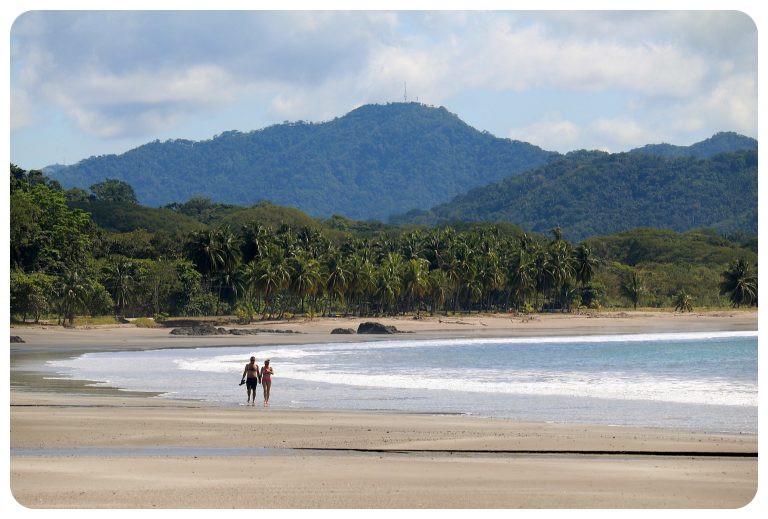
622 132
521 58
559 134
22 109
132 73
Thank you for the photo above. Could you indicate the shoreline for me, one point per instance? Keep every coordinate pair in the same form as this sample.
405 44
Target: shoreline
49 417
44 343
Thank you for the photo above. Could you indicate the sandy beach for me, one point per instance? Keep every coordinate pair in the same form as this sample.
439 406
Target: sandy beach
73 445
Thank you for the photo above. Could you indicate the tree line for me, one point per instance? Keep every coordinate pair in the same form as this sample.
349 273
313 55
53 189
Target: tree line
64 265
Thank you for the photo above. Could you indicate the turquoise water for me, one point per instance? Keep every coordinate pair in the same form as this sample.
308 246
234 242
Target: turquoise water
700 381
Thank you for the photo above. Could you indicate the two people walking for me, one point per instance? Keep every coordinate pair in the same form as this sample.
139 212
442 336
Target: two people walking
253 376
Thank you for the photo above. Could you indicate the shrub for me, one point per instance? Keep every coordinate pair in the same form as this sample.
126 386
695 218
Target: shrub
145 322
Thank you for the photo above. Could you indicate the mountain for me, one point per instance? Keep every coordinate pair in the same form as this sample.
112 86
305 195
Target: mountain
374 161
722 142
593 193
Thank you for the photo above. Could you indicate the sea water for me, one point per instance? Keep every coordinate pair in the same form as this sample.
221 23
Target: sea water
701 381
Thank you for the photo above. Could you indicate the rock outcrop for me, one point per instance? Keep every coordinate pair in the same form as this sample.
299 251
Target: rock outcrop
376 328
199 330
343 331
206 329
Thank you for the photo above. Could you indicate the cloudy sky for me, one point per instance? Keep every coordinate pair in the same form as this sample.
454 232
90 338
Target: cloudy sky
86 83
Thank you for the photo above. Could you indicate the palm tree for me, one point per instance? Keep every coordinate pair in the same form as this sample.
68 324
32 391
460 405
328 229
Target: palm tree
249 301
229 253
632 287
215 251
312 241
439 286
739 283
559 267
335 273
462 273
542 275
119 280
387 289
305 277
203 248
412 245
255 241
585 264
414 280
360 279
521 276
73 291
437 247
683 302
274 276
389 282
489 275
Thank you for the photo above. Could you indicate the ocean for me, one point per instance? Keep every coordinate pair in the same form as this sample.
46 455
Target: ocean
696 381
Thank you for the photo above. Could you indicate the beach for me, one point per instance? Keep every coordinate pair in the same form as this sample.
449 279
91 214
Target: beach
75 445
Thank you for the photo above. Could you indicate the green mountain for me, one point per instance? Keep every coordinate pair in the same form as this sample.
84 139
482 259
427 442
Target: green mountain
721 142
596 193
374 161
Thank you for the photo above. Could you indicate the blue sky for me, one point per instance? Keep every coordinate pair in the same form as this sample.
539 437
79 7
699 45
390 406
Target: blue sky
87 83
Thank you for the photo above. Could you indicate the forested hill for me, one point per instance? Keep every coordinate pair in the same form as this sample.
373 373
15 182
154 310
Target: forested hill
375 161
722 142
594 193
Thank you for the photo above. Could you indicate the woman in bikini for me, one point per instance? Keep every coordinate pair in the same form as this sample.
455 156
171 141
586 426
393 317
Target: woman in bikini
266 381
251 371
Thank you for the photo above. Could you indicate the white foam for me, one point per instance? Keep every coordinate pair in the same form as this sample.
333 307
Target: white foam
306 363
575 384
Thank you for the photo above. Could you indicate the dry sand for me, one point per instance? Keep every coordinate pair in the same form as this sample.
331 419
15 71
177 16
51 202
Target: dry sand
76 446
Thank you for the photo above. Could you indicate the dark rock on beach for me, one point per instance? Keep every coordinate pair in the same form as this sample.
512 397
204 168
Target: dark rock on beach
199 330
16 338
376 328
343 331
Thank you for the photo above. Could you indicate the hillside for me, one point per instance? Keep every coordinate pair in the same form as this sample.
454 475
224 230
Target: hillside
594 193
375 161
645 246
125 217
722 142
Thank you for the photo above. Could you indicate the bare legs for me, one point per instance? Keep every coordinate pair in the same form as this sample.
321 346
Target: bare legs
266 384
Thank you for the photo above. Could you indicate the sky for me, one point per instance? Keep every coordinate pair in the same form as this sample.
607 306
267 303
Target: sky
85 83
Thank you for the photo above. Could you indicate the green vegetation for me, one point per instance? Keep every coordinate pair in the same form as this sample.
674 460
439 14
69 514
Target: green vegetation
375 161
145 322
403 159
740 284
723 142
593 193
278 262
